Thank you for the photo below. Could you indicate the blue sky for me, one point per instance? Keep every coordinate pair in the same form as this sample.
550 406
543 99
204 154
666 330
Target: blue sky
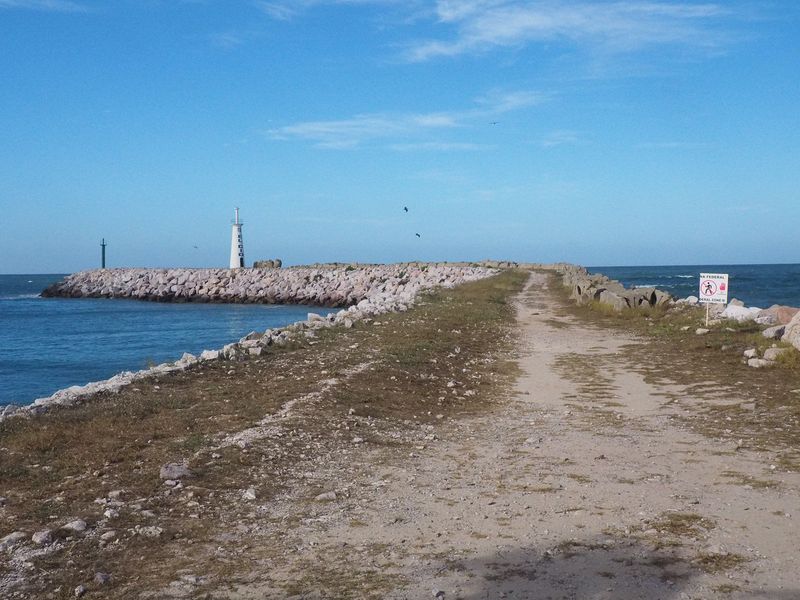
628 132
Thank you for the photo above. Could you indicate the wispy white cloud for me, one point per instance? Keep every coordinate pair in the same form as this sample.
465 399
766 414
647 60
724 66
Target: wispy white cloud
437 147
674 145
560 138
353 131
280 11
284 10
44 5
228 40
626 25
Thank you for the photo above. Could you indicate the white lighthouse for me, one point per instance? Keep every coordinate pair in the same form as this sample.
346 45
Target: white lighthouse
237 247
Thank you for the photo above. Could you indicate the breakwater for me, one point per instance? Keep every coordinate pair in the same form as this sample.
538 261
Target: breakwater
366 291
331 286
586 287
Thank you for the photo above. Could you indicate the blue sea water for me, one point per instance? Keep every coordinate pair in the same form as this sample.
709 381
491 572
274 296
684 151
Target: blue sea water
755 285
47 344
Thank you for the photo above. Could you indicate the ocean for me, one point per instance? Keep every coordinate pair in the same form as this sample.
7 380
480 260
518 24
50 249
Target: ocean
755 285
47 344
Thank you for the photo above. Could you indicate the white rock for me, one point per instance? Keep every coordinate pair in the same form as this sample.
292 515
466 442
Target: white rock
751 353
759 363
326 497
209 355
774 353
740 313
249 494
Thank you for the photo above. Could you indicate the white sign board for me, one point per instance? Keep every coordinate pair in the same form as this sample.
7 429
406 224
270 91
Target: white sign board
713 288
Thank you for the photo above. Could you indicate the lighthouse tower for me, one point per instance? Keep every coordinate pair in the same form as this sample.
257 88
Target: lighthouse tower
237 247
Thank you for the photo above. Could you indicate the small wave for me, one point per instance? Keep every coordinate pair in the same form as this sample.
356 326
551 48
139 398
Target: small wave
19 297
686 276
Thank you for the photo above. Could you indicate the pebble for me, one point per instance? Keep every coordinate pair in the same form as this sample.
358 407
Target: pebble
326 497
102 578
249 494
80 591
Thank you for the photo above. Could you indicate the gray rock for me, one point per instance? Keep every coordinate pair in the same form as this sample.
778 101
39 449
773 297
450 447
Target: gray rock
42 538
701 331
108 535
751 353
76 526
80 591
12 540
209 355
175 471
774 333
249 494
102 578
326 497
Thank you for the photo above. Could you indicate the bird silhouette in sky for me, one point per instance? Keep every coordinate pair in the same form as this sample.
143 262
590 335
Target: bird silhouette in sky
195 247
418 235
494 123
405 208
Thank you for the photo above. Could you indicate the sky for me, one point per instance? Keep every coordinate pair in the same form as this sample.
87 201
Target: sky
629 132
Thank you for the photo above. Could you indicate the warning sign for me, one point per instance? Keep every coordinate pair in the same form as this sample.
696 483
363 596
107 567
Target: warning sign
713 288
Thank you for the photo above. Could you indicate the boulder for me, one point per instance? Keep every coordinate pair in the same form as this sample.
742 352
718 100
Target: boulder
778 314
739 313
792 333
774 333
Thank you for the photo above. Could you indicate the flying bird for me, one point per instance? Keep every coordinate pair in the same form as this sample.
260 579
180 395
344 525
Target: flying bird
195 247
405 208
494 123
418 235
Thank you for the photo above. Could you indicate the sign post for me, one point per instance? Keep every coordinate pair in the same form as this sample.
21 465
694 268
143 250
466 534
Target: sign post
713 290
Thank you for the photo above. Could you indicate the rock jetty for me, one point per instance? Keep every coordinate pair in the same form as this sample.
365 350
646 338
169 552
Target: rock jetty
336 286
365 290
586 288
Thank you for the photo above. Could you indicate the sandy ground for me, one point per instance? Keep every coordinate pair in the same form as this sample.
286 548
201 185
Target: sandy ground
580 486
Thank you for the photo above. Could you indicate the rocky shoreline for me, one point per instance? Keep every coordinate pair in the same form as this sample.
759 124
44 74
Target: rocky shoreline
367 291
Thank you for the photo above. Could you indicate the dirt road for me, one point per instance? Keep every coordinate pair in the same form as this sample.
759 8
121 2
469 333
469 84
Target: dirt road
580 486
